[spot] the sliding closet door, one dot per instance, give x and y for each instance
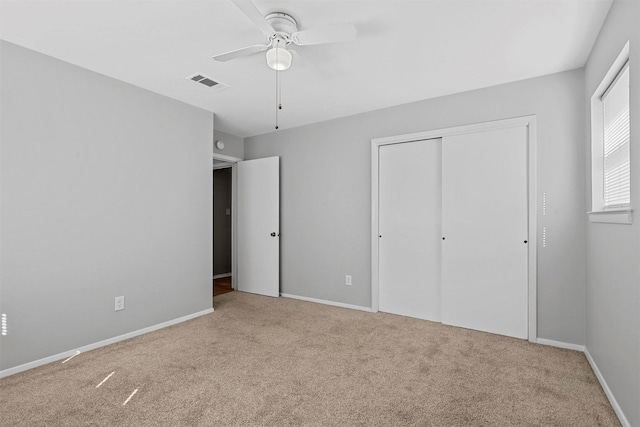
(484, 229)
(409, 225)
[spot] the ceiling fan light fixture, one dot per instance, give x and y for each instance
(279, 58)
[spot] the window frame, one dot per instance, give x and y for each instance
(599, 212)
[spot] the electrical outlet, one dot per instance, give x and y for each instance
(347, 280)
(119, 303)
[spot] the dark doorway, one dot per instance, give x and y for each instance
(222, 231)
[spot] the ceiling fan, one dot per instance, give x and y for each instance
(281, 30)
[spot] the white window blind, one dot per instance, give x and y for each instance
(616, 170)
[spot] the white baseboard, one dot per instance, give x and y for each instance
(560, 344)
(325, 302)
(607, 391)
(221, 276)
(69, 353)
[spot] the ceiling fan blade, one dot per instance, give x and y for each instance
(253, 14)
(331, 34)
(239, 53)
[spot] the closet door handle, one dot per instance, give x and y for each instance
(273, 234)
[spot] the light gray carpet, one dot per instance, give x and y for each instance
(278, 361)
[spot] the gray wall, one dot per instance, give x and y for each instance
(613, 250)
(233, 145)
(222, 221)
(106, 191)
(326, 192)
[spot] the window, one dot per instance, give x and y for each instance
(610, 151)
(615, 106)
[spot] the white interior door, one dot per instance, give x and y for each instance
(484, 222)
(258, 230)
(410, 229)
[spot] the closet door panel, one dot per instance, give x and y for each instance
(484, 223)
(410, 229)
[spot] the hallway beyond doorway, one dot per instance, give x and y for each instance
(222, 286)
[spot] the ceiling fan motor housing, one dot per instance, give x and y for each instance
(284, 24)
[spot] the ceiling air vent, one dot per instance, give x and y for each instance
(207, 81)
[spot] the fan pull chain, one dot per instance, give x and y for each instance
(279, 91)
(278, 88)
(277, 79)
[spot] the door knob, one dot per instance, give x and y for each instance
(273, 234)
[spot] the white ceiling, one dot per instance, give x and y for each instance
(405, 51)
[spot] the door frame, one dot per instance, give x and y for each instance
(530, 123)
(229, 161)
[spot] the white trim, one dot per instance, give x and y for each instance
(234, 226)
(532, 126)
(618, 216)
(607, 390)
(226, 158)
(375, 225)
(531, 123)
(560, 344)
(325, 302)
(225, 165)
(222, 276)
(455, 130)
(66, 354)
